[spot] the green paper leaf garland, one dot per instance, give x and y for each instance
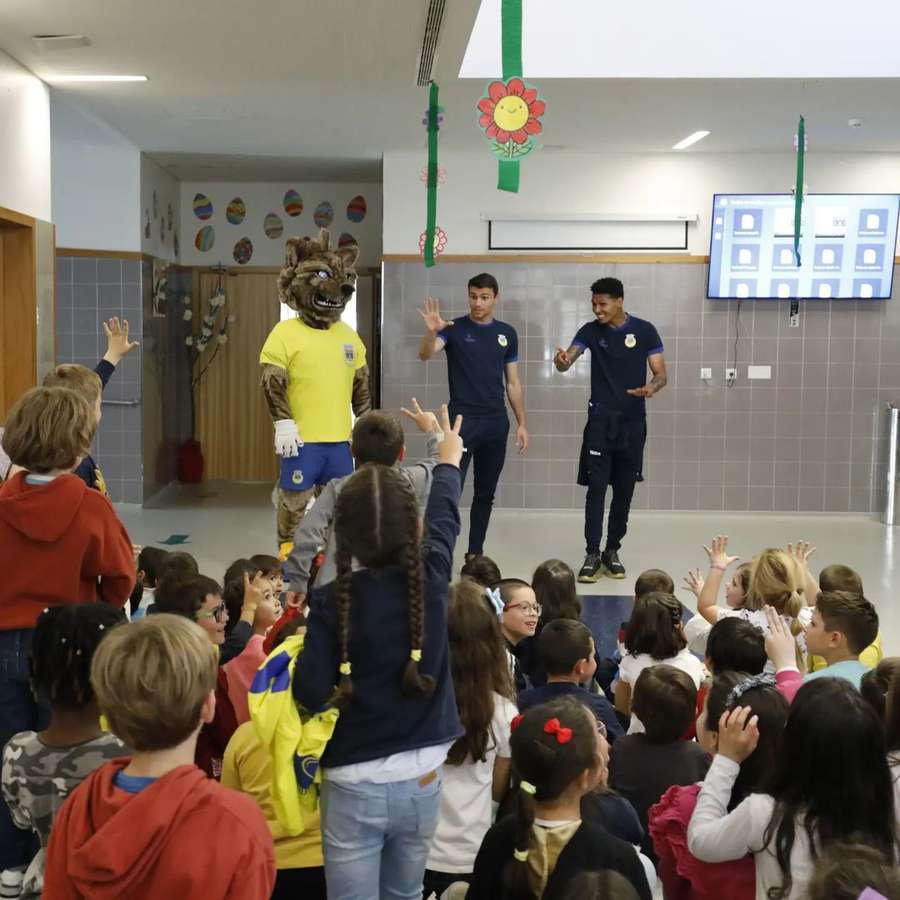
(431, 216)
(798, 190)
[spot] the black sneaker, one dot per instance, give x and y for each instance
(591, 569)
(611, 564)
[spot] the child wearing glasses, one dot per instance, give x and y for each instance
(519, 614)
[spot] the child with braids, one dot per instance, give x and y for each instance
(558, 757)
(41, 769)
(830, 783)
(376, 647)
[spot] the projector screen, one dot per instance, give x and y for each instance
(847, 247)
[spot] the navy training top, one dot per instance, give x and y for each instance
(476, 364)
(619, 362)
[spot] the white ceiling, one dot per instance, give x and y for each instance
(316, 89)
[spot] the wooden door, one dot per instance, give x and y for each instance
(232, 420)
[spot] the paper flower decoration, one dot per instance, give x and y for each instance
(189, 341)
(188, 315)
(510, 114)
(440, 241)
(223, 338)
(441, 175)
(187, 300)
(439, 120)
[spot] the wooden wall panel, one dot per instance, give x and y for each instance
(18, 312)
(232, 420)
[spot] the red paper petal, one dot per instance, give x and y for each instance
(532, 126)
(497, 91)
(530, 95)
(486, 105)
(502, 136)
(519, 136)
(515, 86)
(485, 119)
(538, 108)
(492, 130)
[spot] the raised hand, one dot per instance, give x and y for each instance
(424, 419)
(694, 582)
(253, 594)
(562, 360)
(451, 447)
(431, 314)
(117, 343)
(738, 733)
(801, 551)
(718, 553)
(781, 647)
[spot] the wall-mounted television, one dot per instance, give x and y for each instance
(847, 247)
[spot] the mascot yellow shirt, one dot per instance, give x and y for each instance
(321, 364)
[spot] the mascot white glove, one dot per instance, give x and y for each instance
(287, 438)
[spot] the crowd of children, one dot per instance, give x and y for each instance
(359, 723)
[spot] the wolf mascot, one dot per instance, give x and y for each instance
(313, 372)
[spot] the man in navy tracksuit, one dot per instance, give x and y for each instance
(612, 450)
(482, 354)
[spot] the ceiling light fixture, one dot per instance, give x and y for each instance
(690, 139)
(88, 79)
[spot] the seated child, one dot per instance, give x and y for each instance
(152, 825)
(566, 652)
(41, 769)
(270, 567)
(377, 438)
(881, 689)
(478, 764)
(810, 800)
(683, 875)
(738, 599)
(241, 670)
(482, 570)
(247, 767)
(553, 582)
(150, 562)
(559, 756)
(654, 635)
(642, 767)
(519, 613)
(842, 578)
(854, 872)
(842, 626)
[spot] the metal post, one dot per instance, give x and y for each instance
(890, 510)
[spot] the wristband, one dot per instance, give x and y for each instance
(720, 568)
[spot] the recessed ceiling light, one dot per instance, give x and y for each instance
(690, 139)
(87, 79)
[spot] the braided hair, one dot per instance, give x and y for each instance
(65, 638)
(545, 762)
(376, 521)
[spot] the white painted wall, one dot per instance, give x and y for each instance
(24, 141)
(553, 183)
(160, 201)
(261, 198)
(96, 181)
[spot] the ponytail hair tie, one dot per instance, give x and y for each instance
(520, 855)
(495, 599)
(871, 894)
(104, 724)
(415, 655)
(345, 668)
(748, 684)
(528, 787)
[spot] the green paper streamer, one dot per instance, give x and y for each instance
(511, 48)
(798, 191)
(431, 217)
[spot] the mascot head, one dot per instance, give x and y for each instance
(317, 281)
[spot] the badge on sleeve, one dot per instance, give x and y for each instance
(501, 340)
(630, 341)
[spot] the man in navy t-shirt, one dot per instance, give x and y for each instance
(612, 451)
(482, 355)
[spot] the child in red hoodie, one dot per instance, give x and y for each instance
(153, 825)
(60, 542)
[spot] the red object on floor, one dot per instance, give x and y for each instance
(190, 462)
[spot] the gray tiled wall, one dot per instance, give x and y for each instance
(88, 291)
(808, 440)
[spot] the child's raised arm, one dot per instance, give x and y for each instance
(802, 551)
(707, 591)
(442, 513)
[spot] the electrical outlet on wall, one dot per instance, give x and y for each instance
(795, 320)
(705, 374)
(730, 376)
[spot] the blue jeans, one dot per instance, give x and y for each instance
(376, 838)
(19, 711)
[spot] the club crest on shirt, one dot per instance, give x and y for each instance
(630, 341)
(297, 477)
(501, 340)
(349, 354)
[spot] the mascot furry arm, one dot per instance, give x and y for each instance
(311, 383)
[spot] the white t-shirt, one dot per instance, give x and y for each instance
(466, 800)
(757, 617)
(632, 666)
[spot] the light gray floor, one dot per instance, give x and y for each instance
(228, 520)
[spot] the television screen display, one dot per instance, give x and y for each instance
(847, 247)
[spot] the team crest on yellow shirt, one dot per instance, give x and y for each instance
(349, 354)
(501, 340)
(297, 477)
(630, 341)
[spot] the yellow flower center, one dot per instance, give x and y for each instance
(511, 113)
